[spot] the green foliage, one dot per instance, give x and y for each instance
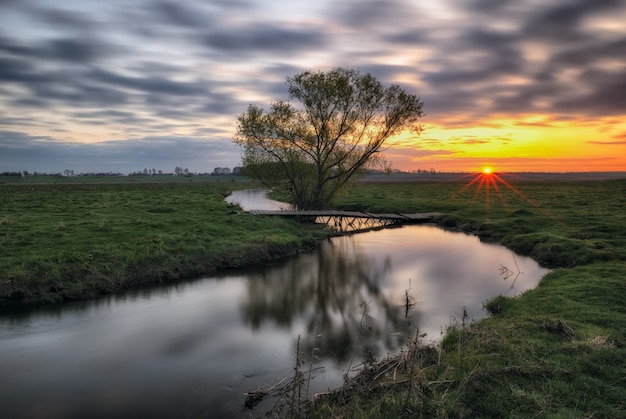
(311, 152)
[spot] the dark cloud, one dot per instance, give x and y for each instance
(264, 38)
(562, 22)
(181, 14)
(469, 60)
(373, 14)
(73, 50)
(149, 84)
(107, 117)
(220, 104)
(495, 56)
(386, 72)
(607, 97)
(16, 70)
(484, 6)
(409, 37)
(594, 52)
(32, 67)
(66, 19)
(492, 56)
(76, 91)
(499, 43)
(12, 47)
(84, 84)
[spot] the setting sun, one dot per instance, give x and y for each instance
(487, 170)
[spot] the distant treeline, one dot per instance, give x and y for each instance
(145, 172)
(24, 173)
(179, 171)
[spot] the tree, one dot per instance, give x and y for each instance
(312, 151)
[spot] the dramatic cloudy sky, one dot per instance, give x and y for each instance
(120, 85)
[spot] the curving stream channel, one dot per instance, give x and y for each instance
(194, 348)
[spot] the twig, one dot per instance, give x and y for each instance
(313, 355)
(412, 370)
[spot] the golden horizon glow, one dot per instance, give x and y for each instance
(487, 170)
(526, 143)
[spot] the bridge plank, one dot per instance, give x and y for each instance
(424, 216)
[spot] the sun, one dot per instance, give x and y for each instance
(492, 184)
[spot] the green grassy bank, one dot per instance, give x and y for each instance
(557, 351)
(70, 241)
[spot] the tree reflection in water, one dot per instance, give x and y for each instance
(331, 288)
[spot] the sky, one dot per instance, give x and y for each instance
(118, 85)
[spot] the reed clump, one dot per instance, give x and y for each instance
(408, 373)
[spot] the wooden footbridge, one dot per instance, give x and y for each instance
(352, 221)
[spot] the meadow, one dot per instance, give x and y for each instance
(79, 238)
(556, 351)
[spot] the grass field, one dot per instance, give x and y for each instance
(70, 240)
(556, 351)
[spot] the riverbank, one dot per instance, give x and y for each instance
(556, 351)
(68, 241)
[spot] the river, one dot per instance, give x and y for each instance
(194, 348)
